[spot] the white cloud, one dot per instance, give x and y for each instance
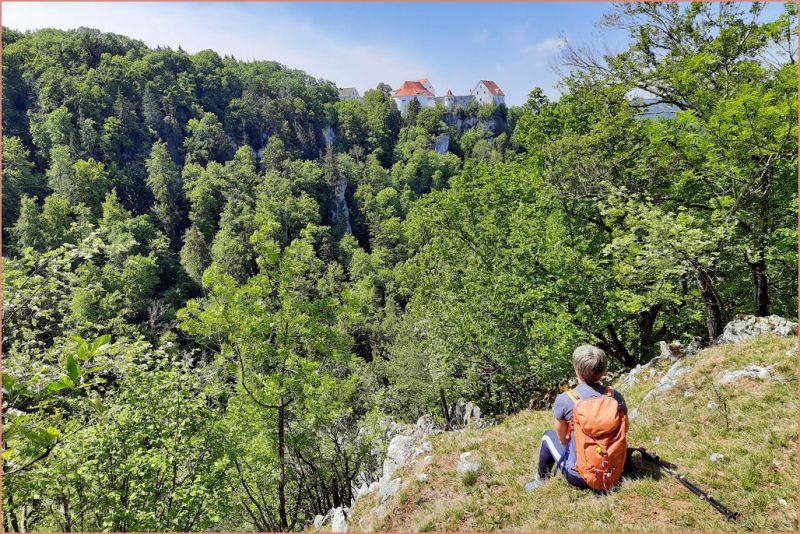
(233, 30)
(546, 47)
(536, 58)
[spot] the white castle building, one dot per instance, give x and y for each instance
(485, 92)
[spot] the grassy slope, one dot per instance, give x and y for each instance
(758, 470)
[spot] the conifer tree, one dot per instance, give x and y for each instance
(92, 183)
(164, 181)
(231, 248)
(195, 256)
(60, 175)
(27, 232)
(412, 110)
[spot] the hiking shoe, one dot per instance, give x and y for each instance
(533, 484)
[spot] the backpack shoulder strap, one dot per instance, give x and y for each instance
(609, 392)
(572, 394)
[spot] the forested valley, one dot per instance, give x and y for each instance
(219, 280)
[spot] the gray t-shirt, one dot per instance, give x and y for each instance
(562, 410)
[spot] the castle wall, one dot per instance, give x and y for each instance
(402, 102)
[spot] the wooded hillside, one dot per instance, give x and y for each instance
(219, 279)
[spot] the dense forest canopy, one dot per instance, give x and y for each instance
(219, 279)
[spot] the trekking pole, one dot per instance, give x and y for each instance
(669, 468)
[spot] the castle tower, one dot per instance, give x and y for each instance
(449, 100)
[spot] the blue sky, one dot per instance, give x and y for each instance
(358, 44)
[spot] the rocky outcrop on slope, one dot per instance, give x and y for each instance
(742, 328)
(407, 444)
(670, 355)
(746, 327)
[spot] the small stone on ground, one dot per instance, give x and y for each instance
(340, 519)
(466, 464)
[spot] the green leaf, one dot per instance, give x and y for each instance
(100, 343)
(82, 351)
(73, 369)
(8, 382)
(63, 383)
(41, 437)
(95, 369)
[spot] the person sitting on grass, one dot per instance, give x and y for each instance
(588, 442)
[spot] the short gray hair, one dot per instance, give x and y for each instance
(590, 362)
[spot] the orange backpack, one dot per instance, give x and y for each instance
(599, 426)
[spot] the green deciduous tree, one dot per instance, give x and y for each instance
(495, 299)
(92, 183)
(207, 141)
(142, 455)
(18, 178)
(281, 330)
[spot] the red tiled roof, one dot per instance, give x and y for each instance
(449, 92)
(412, 89)
(493, 88)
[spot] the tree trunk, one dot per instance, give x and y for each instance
(758, 268)
(646, 322)
(67, 516)
(282, 464)
(445, 411)
(12, 514)
(759, 271)
(711, 302)
(614, 347)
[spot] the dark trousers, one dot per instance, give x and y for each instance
(550, 453)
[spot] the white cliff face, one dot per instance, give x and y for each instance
(341, 212)
(467, 123)
(407, 444)
(751, 371)
(329, 135)
(442, 143)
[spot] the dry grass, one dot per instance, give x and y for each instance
(759, 468)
